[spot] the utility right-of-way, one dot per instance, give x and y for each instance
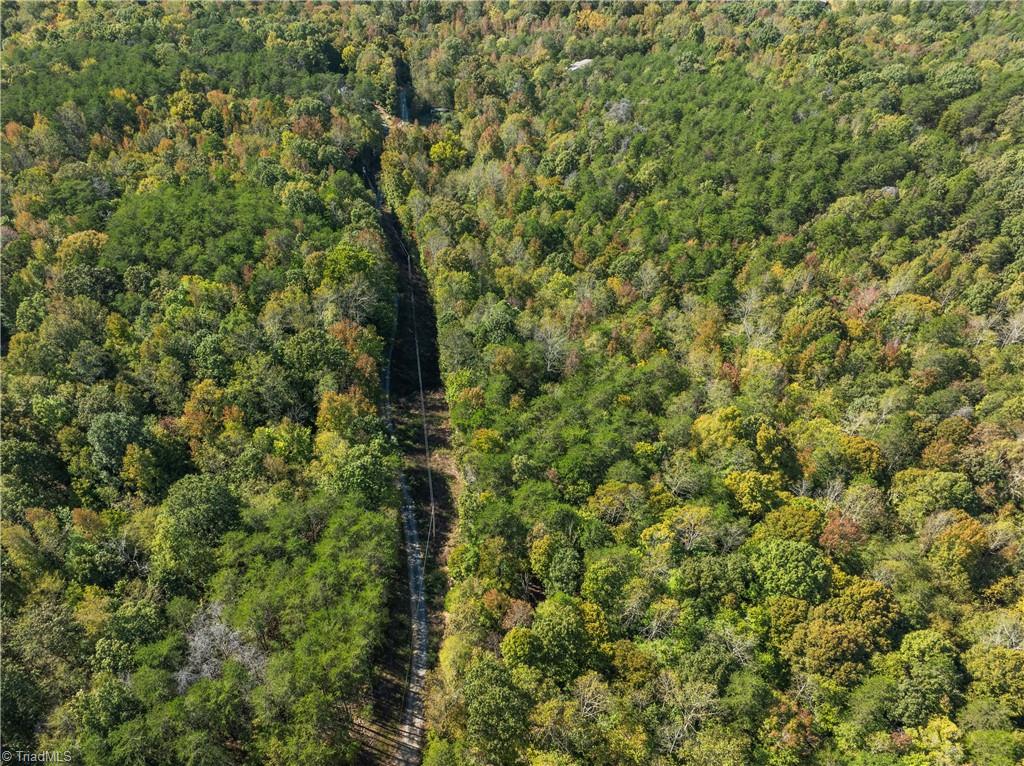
(412, 724)
(417, 416)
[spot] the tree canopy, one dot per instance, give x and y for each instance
(730, 306)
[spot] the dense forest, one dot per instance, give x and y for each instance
(730, 307)
(199, 506)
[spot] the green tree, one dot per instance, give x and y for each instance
(560, 628)
(926, 674)
(789, 568)
(496, 711)
(197, 511)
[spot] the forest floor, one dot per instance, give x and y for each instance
(392, 729)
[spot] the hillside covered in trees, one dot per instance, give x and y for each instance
(730, 306)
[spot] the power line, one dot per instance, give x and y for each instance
(419, 377)
(412, 702)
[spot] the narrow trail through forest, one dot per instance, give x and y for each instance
(417, 415)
